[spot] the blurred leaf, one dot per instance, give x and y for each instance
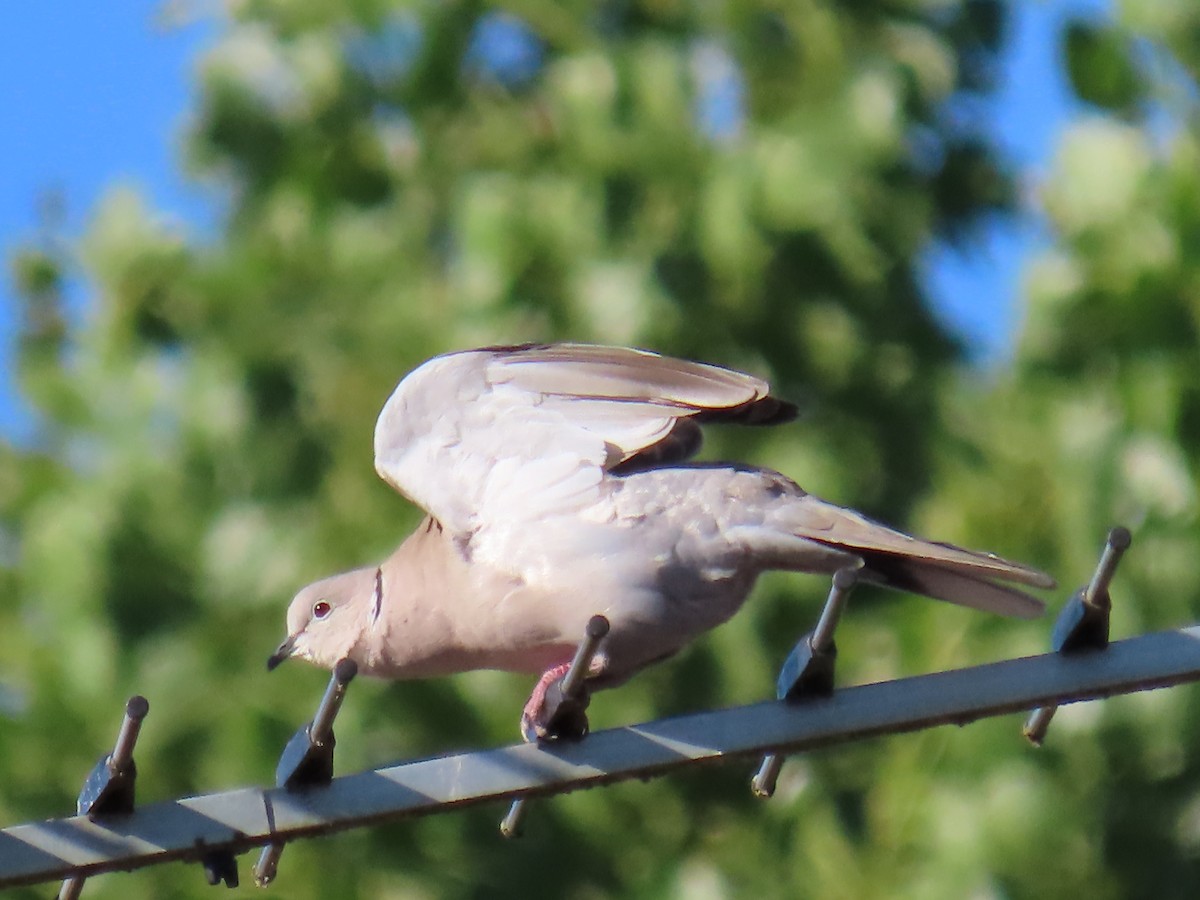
(1101, 67)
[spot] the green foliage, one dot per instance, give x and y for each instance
(393, 191)
(1100, 64)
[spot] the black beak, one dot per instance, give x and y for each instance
(285, 650)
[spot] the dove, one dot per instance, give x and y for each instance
(559, 484)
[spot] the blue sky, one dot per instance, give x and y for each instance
(96, 94)
(978, 292)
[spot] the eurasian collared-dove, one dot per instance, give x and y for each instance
(556, 486)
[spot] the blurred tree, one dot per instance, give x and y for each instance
(1099, 422)
(747, 183)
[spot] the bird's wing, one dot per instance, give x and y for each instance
(520, 432)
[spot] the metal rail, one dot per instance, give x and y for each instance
(239, 820)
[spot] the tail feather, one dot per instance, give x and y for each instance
(898, 560)
(818, 520)
(922, 577)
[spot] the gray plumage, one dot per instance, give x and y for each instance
(557, 487)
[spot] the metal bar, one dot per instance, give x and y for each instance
(1083, 623)
(844, 581)
(136, 710)
(595, 632)
(251, 817)
(808, 670)
(322, 724)
(1096, 593)
(762, 785)
(307, 760)
(572, 687)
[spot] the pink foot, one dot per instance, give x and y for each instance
(531, 728)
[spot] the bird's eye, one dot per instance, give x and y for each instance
(321, 609)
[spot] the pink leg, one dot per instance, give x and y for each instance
(533, 707)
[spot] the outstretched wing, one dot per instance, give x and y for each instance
(521, 432)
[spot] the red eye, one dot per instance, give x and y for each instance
(321, 609)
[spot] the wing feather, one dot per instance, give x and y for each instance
(522, 431)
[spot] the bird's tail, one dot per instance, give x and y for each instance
(896, 560)
(955, 586)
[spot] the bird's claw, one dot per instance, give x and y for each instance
(554, 716)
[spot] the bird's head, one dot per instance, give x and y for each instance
(325, 620)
